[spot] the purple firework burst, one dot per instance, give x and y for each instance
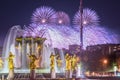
(43, 15)
(32, 31)
(90, 18)
(62, 18)
(98, 35)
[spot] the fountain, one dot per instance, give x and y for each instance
(42, 37)
(9, 45)
(20, 46)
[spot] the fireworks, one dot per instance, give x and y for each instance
(62, 18)
(33, 31)
(64, 36)
(98, 35)
(90, 18)
(43, 15)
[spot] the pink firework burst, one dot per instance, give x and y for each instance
(62, 18)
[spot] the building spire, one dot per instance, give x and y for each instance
(81, 24)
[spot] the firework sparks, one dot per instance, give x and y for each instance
(62, 18)
(32, 31)
(90, 18)
(65, 35)
(43, 15)
(98, 35)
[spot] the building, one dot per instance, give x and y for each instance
(104, 49)
(101, 57)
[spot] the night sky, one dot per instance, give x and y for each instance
(18, 12)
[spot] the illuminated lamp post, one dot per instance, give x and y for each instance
(104, 62)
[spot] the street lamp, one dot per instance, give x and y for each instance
(105, 61)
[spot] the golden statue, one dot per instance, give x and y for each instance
(1, 63)
(59, 62)
(10, 61)
(52, 61)
(38, 61)
(32, 58)
(10, 66)
(74, 62)
(67, 61)
(66, 56)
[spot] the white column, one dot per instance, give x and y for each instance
(53, 74)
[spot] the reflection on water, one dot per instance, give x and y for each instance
(46, 76)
